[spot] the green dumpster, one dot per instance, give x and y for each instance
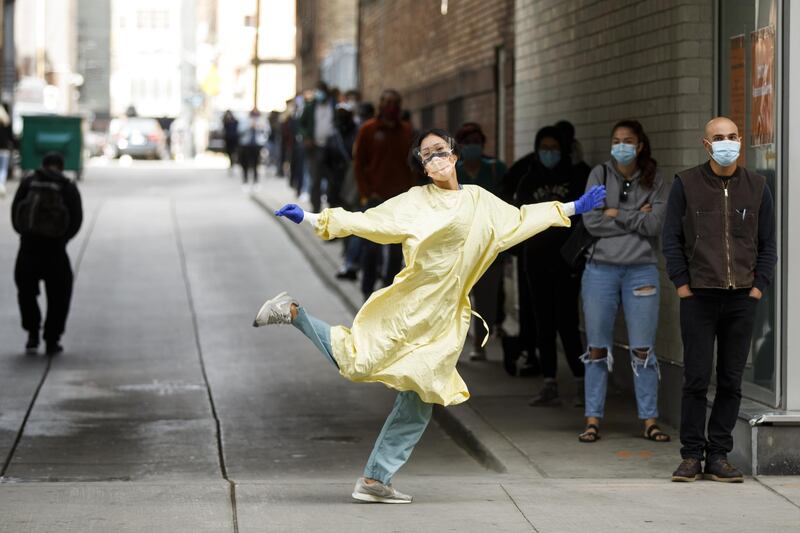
(52, 133)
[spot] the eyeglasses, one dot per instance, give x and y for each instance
(429, 152)
(625, 190)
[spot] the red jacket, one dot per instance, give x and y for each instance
(380, 159)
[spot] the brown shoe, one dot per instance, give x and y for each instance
(722, 470)
(689, 470)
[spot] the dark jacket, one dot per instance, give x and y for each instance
(72, 200)
(719, 231)
(564, 183)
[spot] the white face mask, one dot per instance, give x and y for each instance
(439, 167)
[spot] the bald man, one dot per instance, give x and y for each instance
(719, 243)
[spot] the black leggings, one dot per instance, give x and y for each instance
(555, 292)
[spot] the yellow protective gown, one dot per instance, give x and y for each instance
(410, 334)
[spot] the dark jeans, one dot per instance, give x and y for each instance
(319, 173)
(527, 318)
(52, 267)
(728, 317)
(379, 261)
(555, 292)
(248, 158)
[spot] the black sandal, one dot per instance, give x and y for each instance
(655, 434)
(589, 436)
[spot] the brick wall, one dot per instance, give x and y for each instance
(321, 25)
(596, 62)
(433, 59)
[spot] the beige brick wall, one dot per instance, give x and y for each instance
(596, 62)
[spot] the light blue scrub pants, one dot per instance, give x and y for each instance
(402, 429)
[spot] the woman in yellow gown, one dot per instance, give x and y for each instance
(410, 334)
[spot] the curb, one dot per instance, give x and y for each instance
(462, 424)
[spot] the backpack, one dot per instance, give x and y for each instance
(43, 212)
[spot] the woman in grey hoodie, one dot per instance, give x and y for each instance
(622, 267)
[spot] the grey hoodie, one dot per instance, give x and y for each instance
(632, 237)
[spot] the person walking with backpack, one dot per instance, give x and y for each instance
(622, 267)
(46, 213)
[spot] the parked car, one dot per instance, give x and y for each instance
(137, 137)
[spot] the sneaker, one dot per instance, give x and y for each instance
(689, 470)
(378, 493)
(547, 397)
(347, 273)
(53, 348)
(278, 310)
(32, 346)
(721, 470)
(477, 354)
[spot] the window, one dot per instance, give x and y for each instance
(455, 114)
(427, 117)
(749, 93)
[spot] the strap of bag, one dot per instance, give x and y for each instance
(594, 246)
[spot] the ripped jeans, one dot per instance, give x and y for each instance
(637, 287)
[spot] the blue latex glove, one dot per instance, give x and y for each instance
(291, 211)
(593, 199)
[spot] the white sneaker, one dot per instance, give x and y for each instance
(378, 493)
(278, 310)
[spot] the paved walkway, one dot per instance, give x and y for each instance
(169, 412)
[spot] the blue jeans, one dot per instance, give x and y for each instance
(637, 287)
(402, 429)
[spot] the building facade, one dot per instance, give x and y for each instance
(451, 61)
(326, 43)
(94, 56)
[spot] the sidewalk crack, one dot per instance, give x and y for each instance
(771, 489)
(518, 509)
(195, 326)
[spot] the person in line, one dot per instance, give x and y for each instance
(622, 266)
(316, 126)
(353, 246)
(409, 335)
(339, 159)
(379, 165)
(475, 168)
(47, 213)
(251, 141)
(230, 128)
(6, 147)
(720, 247)
(554, 287)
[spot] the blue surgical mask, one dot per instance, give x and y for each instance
(549, 158)
(725, 152)
(623, 153)
(319, 95)
(471, 152)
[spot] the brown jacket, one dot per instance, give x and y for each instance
(379, 159)
(721, 227)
